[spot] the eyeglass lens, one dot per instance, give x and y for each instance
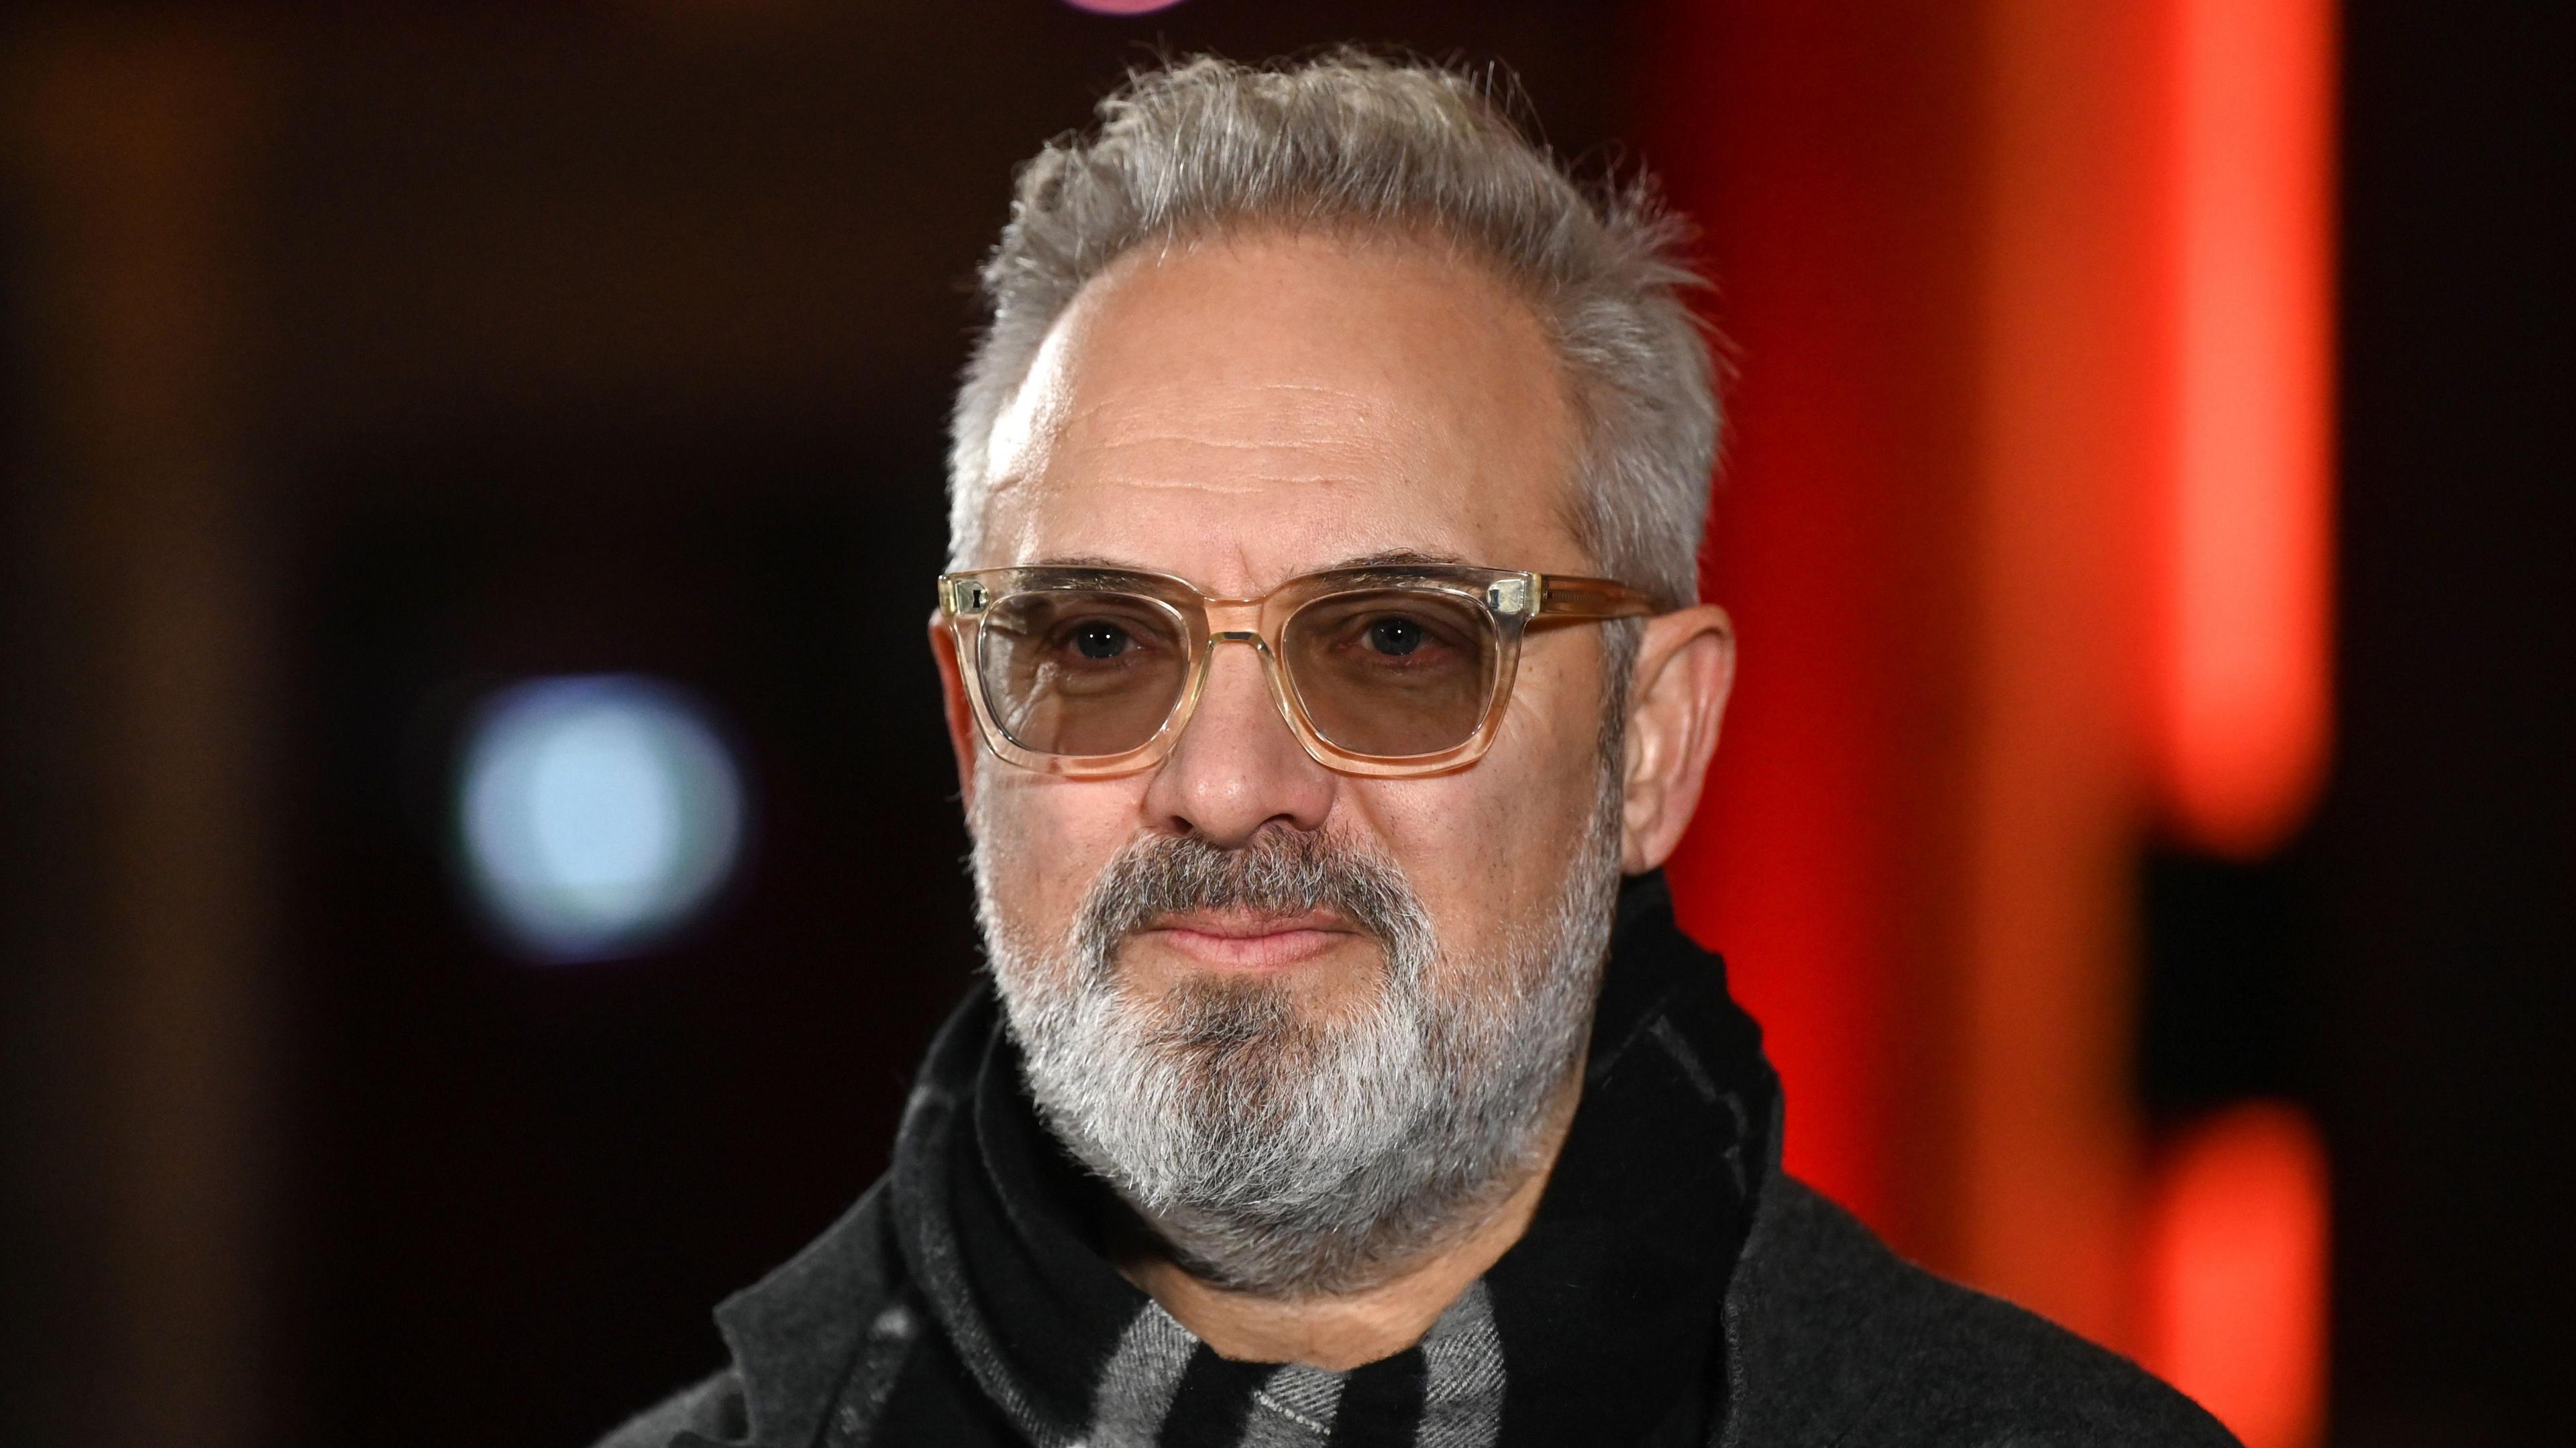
(1391, 672)
(1082, 672)
(1384, 672)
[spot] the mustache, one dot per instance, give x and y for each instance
(1280, 871)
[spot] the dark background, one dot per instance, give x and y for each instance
(2440, 936)
(597, 338)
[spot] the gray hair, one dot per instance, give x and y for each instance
(1350, 142)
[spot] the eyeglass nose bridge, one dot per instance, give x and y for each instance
(1272, 674)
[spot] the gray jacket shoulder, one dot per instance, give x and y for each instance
(1831, 1340)
(1834, 1339)
(711, 1409)
(794, 1338)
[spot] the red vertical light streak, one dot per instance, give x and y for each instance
(1825, 161)
(2028, 511)
(2244, 678)
(2236, 1231)
(2236, 1273)
(2072, 376)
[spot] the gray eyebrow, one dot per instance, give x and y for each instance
(1396, 558)
(1087, 560)
(1388, 558)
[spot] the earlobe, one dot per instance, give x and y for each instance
(963, 740)
(1684, 673)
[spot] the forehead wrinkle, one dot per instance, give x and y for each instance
(1230, 557)
(1290, 386)
(1267, 413)
(1230, 465)
(1381, 558)
(1134, 452)
(1030, 499)
(1232, 487)
(1219, 444)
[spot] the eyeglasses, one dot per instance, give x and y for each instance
(1387, 671)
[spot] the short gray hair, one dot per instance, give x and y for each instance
(1352, 142)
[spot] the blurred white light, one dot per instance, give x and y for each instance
(598, 813)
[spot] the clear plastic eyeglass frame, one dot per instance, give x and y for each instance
(1509, 600)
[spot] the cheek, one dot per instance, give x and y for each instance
(1043, 841)
(1488, 847)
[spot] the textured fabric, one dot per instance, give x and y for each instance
(995, 1227)
(1675, 1288)
(1837, 1340)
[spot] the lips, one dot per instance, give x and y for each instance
(1246, 940)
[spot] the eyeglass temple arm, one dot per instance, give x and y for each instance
(1561, 596)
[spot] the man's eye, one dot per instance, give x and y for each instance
(1394, 635)
(1099, 639)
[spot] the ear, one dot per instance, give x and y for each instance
(1685, 670)
(963, 739)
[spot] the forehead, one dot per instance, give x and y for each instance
(1245, 409)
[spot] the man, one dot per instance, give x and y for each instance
(1324, 663)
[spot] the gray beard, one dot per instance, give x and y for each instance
(1282, 1154)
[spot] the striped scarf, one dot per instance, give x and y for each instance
(1601, 1325)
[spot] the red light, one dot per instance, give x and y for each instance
(2245, 621)
(2236, 1273)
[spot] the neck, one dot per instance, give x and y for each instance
(1338, 1331)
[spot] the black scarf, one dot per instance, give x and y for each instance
(1601, 1325)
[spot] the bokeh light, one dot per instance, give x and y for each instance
(597, 814)
(2236, 1257)
(1122, 7)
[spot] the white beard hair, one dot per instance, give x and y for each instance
(1281, 1155)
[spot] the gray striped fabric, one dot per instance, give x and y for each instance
(1294, 1409)
(1462, 1399)
(1136, 1387)
(1462, 1403)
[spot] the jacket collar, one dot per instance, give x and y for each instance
(1665, 1027)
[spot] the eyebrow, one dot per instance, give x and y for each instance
(1398, 557)
(1086, 560)
(1387, 558)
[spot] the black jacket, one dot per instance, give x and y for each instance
(1815, 1333)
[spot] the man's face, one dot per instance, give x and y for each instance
(1317, 1011)
(1243, 412)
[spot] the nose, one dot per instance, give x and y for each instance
(1237, 767)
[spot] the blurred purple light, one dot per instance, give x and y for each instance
(1122, 7)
